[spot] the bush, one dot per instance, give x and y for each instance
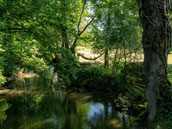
(98, 78)
(164, 116)
(164, 112)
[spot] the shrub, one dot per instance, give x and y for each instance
(98, 78)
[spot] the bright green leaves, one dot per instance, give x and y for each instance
(117, 27)
(2, 78)
(4, 106)
(33, 30)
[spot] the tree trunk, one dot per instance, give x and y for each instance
(106, 110)
(107, 41)
(106, 58)
(64, 35)
(156, 43)
(64, 29)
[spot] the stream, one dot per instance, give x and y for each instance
(33, 103)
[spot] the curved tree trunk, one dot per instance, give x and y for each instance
(156, 42)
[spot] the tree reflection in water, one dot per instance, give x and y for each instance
(4, 106)
(42, 106)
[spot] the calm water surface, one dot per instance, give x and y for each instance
(35, 104)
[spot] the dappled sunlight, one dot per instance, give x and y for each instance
(27, 75)
(90, 54)
(48, 123)
(114, 123)
(170, 59)
(85, 64)
(78, 96)
(10, 92)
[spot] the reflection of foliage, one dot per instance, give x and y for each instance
(4, 106)
(2, 78)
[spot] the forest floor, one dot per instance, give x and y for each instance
(87, 52)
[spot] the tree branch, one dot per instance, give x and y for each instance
(80, 33)
(14, 30)
(83, 8)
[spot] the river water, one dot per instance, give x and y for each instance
(35, 104)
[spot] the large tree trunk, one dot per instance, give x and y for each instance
(156, 43)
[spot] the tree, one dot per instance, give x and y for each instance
(117, 29)
(156, 42)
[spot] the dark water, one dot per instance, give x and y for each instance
(35, 104)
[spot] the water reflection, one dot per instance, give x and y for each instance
(42, 106)
(4, 106)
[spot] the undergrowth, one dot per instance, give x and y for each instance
(99, 78)
(164, 112)
(116, 80)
